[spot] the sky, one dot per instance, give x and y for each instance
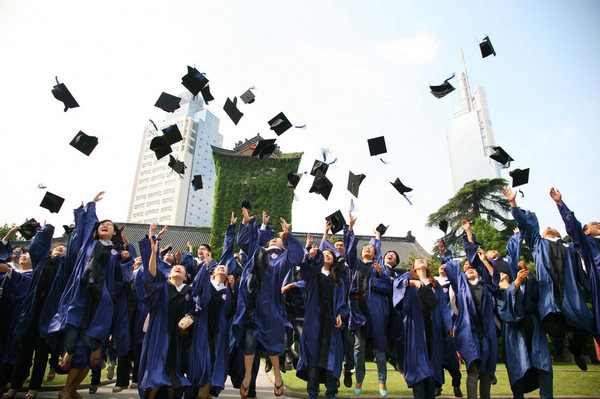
(349, 70)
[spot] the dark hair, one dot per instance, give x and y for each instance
(207, 247)
(117, 239)
(415, 276)
(397, 257)
(336, 268)
(585, 228)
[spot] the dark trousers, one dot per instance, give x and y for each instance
(312, 386)
(557, 327)
(455, 374)
(124, 369)
(545, 381)
(424, 389)
(31, 342)
(137, 351)
(5, 373)
(348, 340)
(96, 374)
(474, 375)
(292, 337)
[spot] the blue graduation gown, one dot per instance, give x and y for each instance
(418, 363)
(573, 308)
(466, 337)
(270, 317)
(14, 291)
(586, 246)
(445, 257)
(521, 363)
(310, 341)
(152, 373)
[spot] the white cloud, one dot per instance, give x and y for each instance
(420, 49)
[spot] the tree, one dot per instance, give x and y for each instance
(6, 228)
(476, 199)
(433, 264)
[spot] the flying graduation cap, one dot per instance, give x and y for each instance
(160, 146)
(248, 96)
(401, 188)
(264, 148)
(29, 228)
(354, 182)
(231, 110)
(177, 166)
(280, 124)
(197, 182)
(293, 179)
(61, 93)
(382, 228)
(501, 156)
(377, 145)
(519, 177)
(172, 134)
(443, 226)
(206, 95)
(443, 89)
(52, 202)
(337, 221)
(246, 203)
(194, 81)
(486, 47)
(84, 143)
(167, 102)
(321, 185)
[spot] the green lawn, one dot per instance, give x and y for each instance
(60, 379)
(568, 380)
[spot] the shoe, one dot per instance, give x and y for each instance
(244, 391)
(268, 367)
(117, 389)
(580, 361)
(9, 394)
(383, 392)
(494, 380)
(51, 375)
(110, 371)
(278, 389)
(437, 391)
(347, 378)
(457, 392)
(30, 395)
(65, 361)
(133, 385)
(398, 368)
(357, 391)
(93, 389)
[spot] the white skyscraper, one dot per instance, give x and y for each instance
(470, 136)
(160, 194)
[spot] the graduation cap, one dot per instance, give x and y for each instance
(354, 182)
(231, 110)
(246, 203)
(519, 177)
(172, 134)
(486, 47)
(321, 185)
(68, 229)
(52, 202)
(61, 93)
(197, 182)
(160, 146)
(264, 148)
(443, 226)
(248, 97)
(443, 89)
(377, 145)
(401, 188)
(84, 143)
(29, 228)
(167, 102)
(382, 228)
(166, 250)
(319, 167)
(500, 156)
(177, 166)
(293, 179)
(206, 94)
(280, 124)
(337, 221)
(194, 81)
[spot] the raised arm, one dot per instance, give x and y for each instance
(350, 244)
(248, 234)
(527, 221)
(152, 261)
(513, 252)
(40, 245)
(227, 258)
(572, 225)
(376, 243)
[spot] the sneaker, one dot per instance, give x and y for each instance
(51, 375)
(133, 385)
(93, 389)
(110, 371)
(117, 389)
(347, 378)
(457, 392)
(580, 362)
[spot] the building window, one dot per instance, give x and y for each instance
(139, 197)
(170, 182)
(142, 188)
(167, 209)
(138, 214)
(154, 194)
(155, 185)
(138, 206)
(151, 211)
(156, 177)
(169, 191)
(146, 164)
(168, 199)
(145, 172)
(159, 169)
(148, 156)
(155, 202)
(144, 180)
(163, 218)
(149, 220)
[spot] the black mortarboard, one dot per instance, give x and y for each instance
(319, 166)
(84, 143)
(29, 228)
(172, 134)
(177, 166)
(68, 229)
(160, 146)
(248, 97)
(279, 124)
(321, 185)
(61, 93)
(377, 145)
(264, 148)
(230, 109)
(166, 250)
(486, 47)
(382, 228)
(52, 202)
(246, 203)
(194, 81)
(443, 226)
(443, 89)
(293, 179)
(167, 102)
(206, 95)
(402, 189)
(499, 155)
(197, 182)
(519, 177)
(337, 221)
(354, 182)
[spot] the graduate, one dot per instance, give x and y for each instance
(322, 344)
(426, 321)
(444, 254)
(369, 297)
(260, 315)
(86, 307)
(561, 304)
(169, 300)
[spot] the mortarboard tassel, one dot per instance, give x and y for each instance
(301, 126)
(41, 186)
(385, 162)
(351, 205)
(405, 196)
(522, 195)
(153, 124)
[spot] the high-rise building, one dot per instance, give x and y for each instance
(160, 194)
(470, 136)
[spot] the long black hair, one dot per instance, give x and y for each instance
(117, 239)
(335, 269)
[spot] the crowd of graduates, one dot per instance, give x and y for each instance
(179, 325)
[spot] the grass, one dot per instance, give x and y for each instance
(568, 380)
(60, 379)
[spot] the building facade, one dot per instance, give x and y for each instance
(159, 194)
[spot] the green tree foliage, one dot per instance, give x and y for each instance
(476, 199)
(263, 181)
(6, 228)
(433, 263)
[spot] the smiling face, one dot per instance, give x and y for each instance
(328, 257)
(550, 232)
(25, 261)
(391, 259)
(106, 230)
(420, 264)
(471, 274)
(178, 274)
(592, 229)
(339, 245)
(368, 252)
(221, 270)
(59, 250)
(276, 242)
(169, 258)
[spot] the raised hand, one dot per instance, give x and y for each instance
(377, 268)
(309, 240)
(265, 218)
(245, 216)
(125, 240)
(510, 195)
(481, 254)
(285, 226)
(352, 221)
(233, 219)
(466, 225)
(178, 256)
(189, 246)
(12, 231)
(162, 231)
(152, 229)
(98, 196)
(313, 251)
(328, 226)
(556, 196)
